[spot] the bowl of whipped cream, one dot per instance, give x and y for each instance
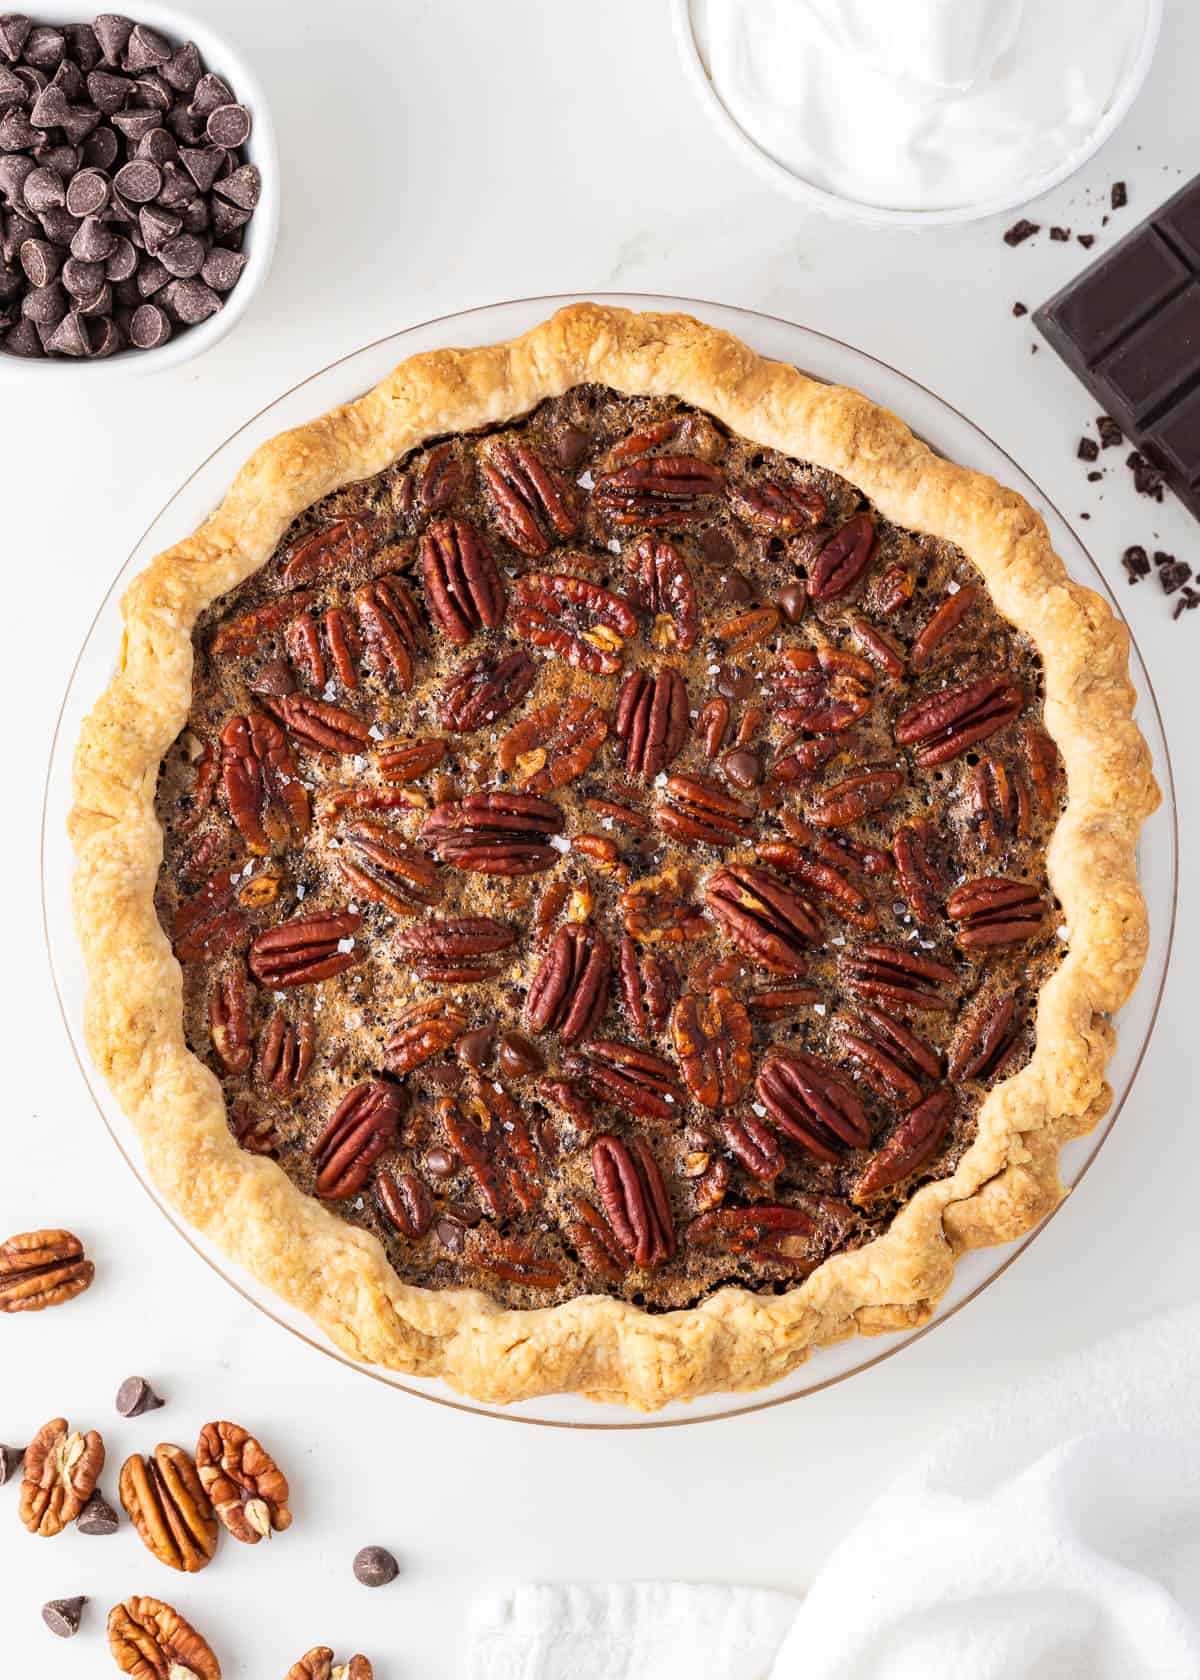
(918, 112)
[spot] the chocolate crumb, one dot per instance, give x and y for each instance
(1147, 480)
(1136, 563)
(1061, 234)
(1087, 240)
(1111, 434)
(1093, 477)
(1021, 231)
(1189, 599)
(1089, 449)
(1174, 576)
(1119, 197)
(1085, 516)
(1161, 558)
(1020, 309)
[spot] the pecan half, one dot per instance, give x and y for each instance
(595, 1242)
(392, 627)
(578, 620)
(406, 1203)
(209, 923)
(267, 800)
(569, 992)
(913, 1143)
(484, 689)
(854, 797)
(941, 624)
(649, 987)
(531, 505)
(711, 1037)
(945, 724)
(877, 646)
(248, 1490)
(844, 559)
(804, 761)
(994, 911)
(380, 866)
(1041, 754)
(657, 911)
(462, 581)
(662, 490)
(229, 1019)
(495, 831)
(247, 632)
(985, 1038)
(41, 1269)
(453, 950)
(892, 1059)
(306, 650)
(636, 1080)
(774, 1001)
(433, 482)
(651, 720)
(343, 543)
(894, 974)
(663, 586)
(777, 509)
(823, 690)
(424, 1030)
(62, 1468)
(285, 1053)
(554, 745)
(193, 806)
(513, 1261)
(999, 805)
(746, 629)
(832, 883)
(488, 1132)
(407, 761)
(169, 1508)
(572, 1101)
(812, 1104)
(319, 726)
(769, 1233)
(318, 1664)
(917, 872)
(768, 922)
(697, 808)
(752, 1143)
(151, 1641)
(360, 1128)
(643, 441)
(632, 1192)
(305, 949)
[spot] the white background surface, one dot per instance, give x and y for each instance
(437, 156)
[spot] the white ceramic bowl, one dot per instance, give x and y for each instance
(689, 36)
(226, 61)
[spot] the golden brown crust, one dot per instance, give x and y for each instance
(608, 1349)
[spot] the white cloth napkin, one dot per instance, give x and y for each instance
(1054, 1537)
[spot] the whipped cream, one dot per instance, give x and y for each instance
(919, 104)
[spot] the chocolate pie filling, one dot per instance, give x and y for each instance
(604, 855)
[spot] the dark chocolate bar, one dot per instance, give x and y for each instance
(1129, 327)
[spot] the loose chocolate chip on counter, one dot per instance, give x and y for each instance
(11, 1460)
(63, 1616)
(1020, 309)
(97, 1517)
(1094, 477)
(1111, 435)
(1020, 231)
(1089, 449)
(228, 126)
(149, 326)
(1119, 196)
(136, 1396)
(793, 601)
(374, 1566)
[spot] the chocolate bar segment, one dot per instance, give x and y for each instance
(1129, 328)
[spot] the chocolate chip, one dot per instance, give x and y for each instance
(44, 46)
(190, 301)
(136, 1396)
(152, 92)
(440, 1163)
(519, 1057)
(97, 1517)
(718, 549)
(570, 446)
(107, 91)
(138, 182)
(183, 256)
(1088, 450)
(133, 123)
(177, 188)
(11, 1460)
(1188, 601)
(151, 277)
(63, 1616)
(122, 259)
(59, 224)
(44, 190)
(14, 32)
(792, 601)
(228, 126)
(156, 226)
(82, 44)
(17, 133)
(107, 339)
(1174, 576)
(374, 1566)
(49, 108)
(451, 1235)
(476, 1048)
(736, 588)
(41, 261)
(203, 164)
(146, 47)
(211, 92)
(1094, 477)
(743, 768)
(1020, 309)
(79, 122)
(227, 218)
(112, 32)
(88, 192)
(1136, 562)
(732, 684)
(70, 336)
(12, 88)
(1020, 231)
(101, 149)
(149, 327)
(1110, 433)
(221, 268)
(1118, 198)
(159, 146)
(45, 304)
(23, 340)
(93, 241)
(242, 188)
(183, 69)
(466, 1213)
(274, 678)
(82, 278)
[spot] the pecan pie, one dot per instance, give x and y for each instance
(607, 825)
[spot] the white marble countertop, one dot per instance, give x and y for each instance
(439, 154)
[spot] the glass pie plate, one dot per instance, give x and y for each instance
(947, 431)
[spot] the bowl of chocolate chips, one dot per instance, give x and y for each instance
(139, 196)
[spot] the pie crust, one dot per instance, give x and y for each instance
(604, 1348)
